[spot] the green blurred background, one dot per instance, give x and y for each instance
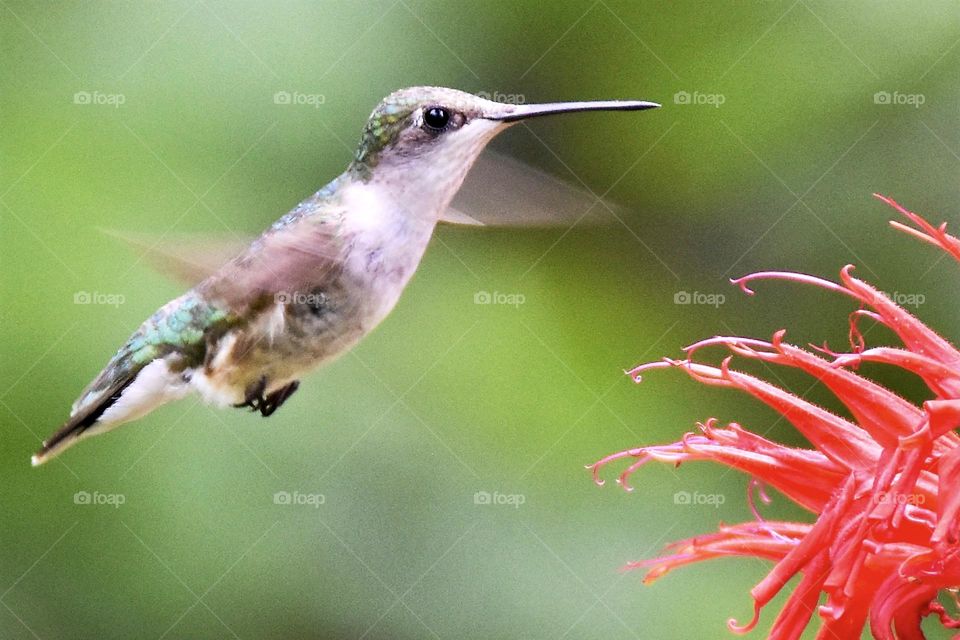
(769, 164)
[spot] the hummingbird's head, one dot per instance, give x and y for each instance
(432, 135)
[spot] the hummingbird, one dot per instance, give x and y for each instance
(318, 280)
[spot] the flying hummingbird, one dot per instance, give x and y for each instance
(318, 280)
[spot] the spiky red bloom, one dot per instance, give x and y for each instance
(884, 487)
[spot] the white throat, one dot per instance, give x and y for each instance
(423, 186)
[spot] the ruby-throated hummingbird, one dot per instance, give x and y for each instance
(318, 280)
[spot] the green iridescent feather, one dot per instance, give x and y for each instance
(181, 326)
(387, 120)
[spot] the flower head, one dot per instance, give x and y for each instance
(884, 486)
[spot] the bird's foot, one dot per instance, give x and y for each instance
(273, 400)
(254, 395)
(266, 404)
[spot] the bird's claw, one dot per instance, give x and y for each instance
(266, 405)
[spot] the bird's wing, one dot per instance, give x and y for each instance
(294, 257)
(500, 191)
(188, 257)
(303, 243)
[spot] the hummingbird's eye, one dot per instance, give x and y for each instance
(436, 118)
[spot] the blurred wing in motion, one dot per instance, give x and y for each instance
(238, 268)
(191, 258)
(187, 257)
(298, 258)
(459, 218)
(501, 191)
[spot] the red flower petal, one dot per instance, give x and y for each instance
(886, 540)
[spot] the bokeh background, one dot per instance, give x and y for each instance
(779, 121)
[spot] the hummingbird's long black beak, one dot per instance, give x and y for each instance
(513, 113)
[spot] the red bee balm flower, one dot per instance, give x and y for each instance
(884, 488)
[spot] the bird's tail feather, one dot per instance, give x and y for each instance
(79, 424)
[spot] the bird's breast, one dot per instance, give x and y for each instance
(387, 238)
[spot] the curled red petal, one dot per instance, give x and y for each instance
(915, 335)
(936, 236)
